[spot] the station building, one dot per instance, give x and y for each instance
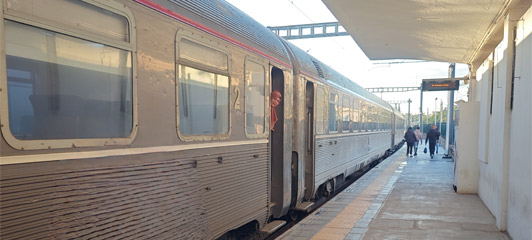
(494, 39)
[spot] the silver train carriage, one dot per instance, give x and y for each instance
(150, 119)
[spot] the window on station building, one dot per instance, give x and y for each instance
(68, 86)
(255, 99)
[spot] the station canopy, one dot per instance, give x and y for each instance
(460, 31)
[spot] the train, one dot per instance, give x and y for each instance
(150, 119)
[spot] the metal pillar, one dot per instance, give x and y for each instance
(441, 112)
(409, 101)
(449, 137)
(421, 109)
(435, 108)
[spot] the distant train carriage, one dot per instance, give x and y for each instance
(150, 119)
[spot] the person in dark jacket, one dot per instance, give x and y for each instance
(432, 138)
(410, 139)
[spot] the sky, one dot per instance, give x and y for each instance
(343, 54)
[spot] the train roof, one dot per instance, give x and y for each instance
(223, 20)
(314, 67)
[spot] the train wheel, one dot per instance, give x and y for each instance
(292, 215)
(325, 189)
(328, 188)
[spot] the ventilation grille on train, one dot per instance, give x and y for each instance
(318, 68)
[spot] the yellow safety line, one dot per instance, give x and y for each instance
(339, 227)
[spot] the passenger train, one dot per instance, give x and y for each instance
(150, 119)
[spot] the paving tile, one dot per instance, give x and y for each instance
(414, 201)
(358, 230)
(490, 227)
(391, 223)
(353, 236)
(423, 205)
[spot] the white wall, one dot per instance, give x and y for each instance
(504, 145)
(491, 129)
(520, 167)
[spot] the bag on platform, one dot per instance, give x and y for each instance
(425, 150)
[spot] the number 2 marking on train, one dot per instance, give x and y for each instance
(237, 99)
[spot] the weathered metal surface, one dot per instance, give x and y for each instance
(235, 187)
(193, 196)
(347, 154)
(141, 199)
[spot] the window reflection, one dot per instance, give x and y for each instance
(203, 102)
(61, 87)
(255, 99)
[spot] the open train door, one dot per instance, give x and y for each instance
(281, 146)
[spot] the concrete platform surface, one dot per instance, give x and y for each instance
(402, 198)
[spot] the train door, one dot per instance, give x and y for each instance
(280, 150)
(309, 138)
(392, 129)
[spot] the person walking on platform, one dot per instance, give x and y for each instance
(437, 139)
(432, 138)
(419, 139)
(410, 138)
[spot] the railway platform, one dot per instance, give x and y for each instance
(401, 198)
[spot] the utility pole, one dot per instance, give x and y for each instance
(435, 106)
(409, 101)
(450, 110)
(428, 123)
(421, 109)
(441, 112)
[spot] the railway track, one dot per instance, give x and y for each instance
(251, 231)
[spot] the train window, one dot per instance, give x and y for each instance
(78, 15)
(64, 87)
(385, 120)
(190, 51)
(346, 110)
(380, 120)
(203, 102)
(356, 115)
(203, 90)
(334, 112)
(389, 122)
(371, 118)
(321, 113)
(362, 127)
(70, 74)
(255, 99)
(375, 118)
